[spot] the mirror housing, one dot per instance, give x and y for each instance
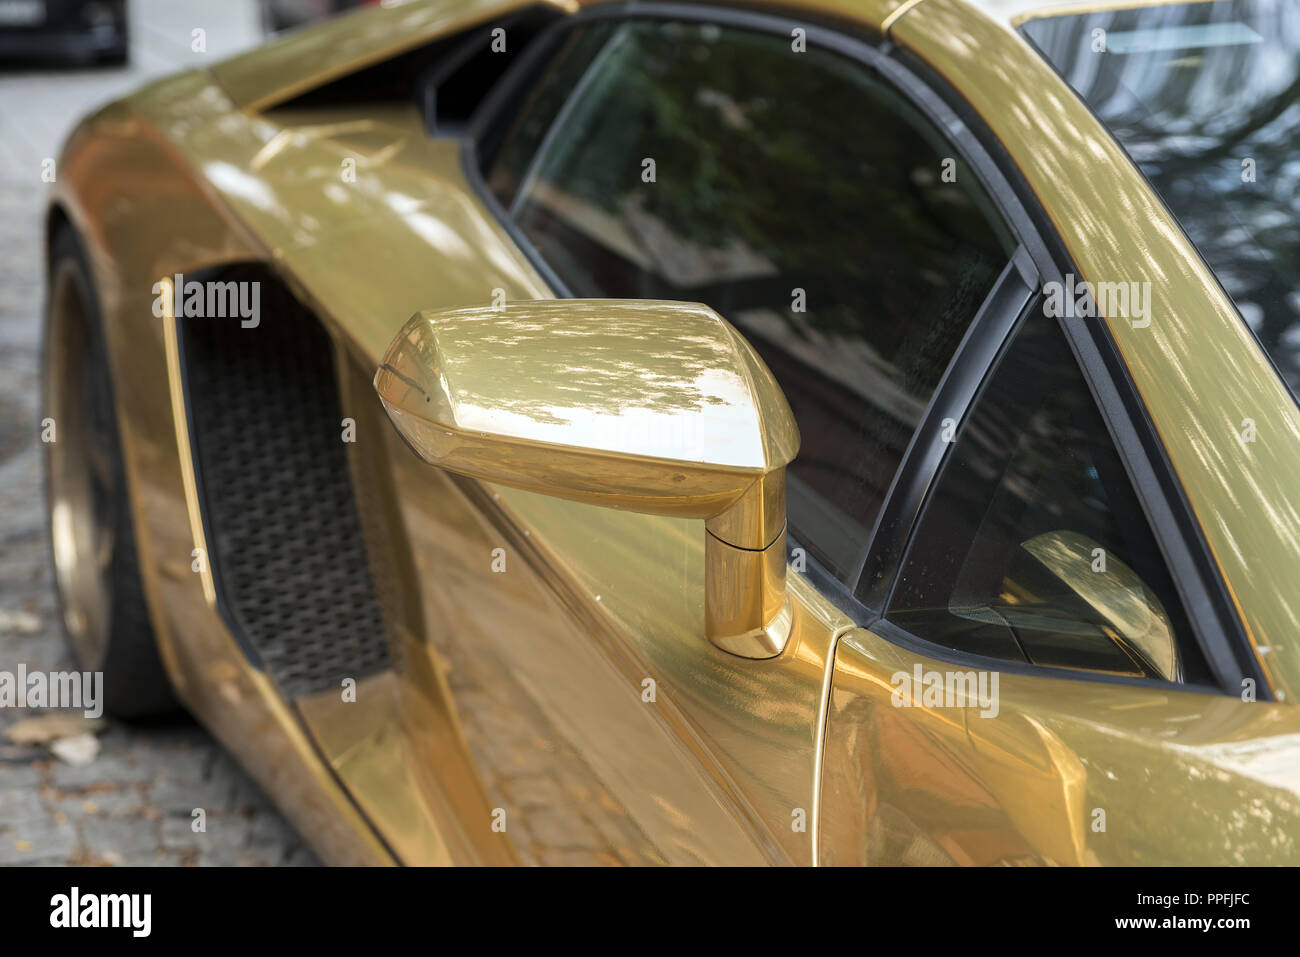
(654, 407)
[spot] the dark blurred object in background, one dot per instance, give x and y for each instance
(64, 30)
(285, 14)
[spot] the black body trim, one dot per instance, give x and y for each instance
(283, 532)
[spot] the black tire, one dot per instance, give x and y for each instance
(135, 683)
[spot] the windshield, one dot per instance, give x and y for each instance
(1204, 97)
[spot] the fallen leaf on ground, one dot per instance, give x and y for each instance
(51, 727)
(77, 750)
(19, 621)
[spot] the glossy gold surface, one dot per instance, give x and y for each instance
(655, 407)
(745, 609)
(551, 698)
(648, 406)
(302, 59)
(751, 729)
(1061, 772)
(176, 390)
(368, 747)
(547, 722)
(546, 663)
(428, 797)
(119, 179)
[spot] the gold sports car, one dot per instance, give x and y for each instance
(818, 432)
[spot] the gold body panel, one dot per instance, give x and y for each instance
(570, 696)
(1060, 773)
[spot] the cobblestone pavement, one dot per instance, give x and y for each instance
(132, 804)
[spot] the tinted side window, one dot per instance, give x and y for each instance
(550, 81)
(1033, 546)
(804, 201)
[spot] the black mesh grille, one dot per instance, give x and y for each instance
(284, 538)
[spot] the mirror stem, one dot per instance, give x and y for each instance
(746, 610)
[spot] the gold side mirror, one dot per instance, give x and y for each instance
(657, 407)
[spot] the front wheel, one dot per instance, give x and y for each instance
(95, 565)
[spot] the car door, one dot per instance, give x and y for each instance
(1035, 691)
(713, 157)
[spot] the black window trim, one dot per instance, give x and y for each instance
(1217, 627)
(1042, 258)
(900, 635)
(953, 399)
(983, 340)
